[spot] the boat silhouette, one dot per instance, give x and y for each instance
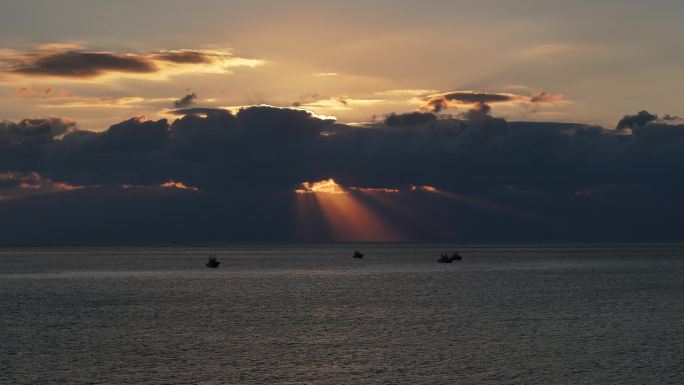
(212, 262)
(446, 259)
(357, 254)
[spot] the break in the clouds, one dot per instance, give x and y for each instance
(75, 62)
(215, 175)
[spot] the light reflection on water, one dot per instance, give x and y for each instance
(312, 314)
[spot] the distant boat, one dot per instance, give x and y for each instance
(446, 259)
(357, 254)
(212, 262)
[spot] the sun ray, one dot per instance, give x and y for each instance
(474, 201)
(347, 217)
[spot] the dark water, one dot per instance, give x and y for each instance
(505, 315)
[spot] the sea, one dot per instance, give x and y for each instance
(311, 314)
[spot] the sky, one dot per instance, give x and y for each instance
(601, 59)
(356, 120)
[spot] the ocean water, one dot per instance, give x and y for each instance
(574, 314)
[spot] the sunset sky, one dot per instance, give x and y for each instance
(531, 119)
(351, 59)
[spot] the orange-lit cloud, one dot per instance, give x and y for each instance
(36, 90)
(178, 185)
(170, 184)
(328, 186)
(379, 190)
(423, 188)
(18, 185)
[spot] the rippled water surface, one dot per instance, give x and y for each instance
(585, 314)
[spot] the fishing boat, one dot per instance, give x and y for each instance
(357, 254)
(212, 262)
(446, 259)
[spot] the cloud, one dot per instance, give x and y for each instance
(470, 97)
(200, 111)
(36, 90)
(81, 64)
(231, 176)
(437, 103)
(304, 99)
(545, 97)
(644, 118)
(479, 111)
(135, 135)
(405, 92)
(19, 185)
(409, 119)
(668, 117)
(338, 103)
(170, 184)
(73, 62)
(90, 102)
(186, 101)
(186, 56)
(34, 130)
(328, 186)
(635, 121)
(442, 101)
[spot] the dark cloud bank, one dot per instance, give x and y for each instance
(517, 181)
